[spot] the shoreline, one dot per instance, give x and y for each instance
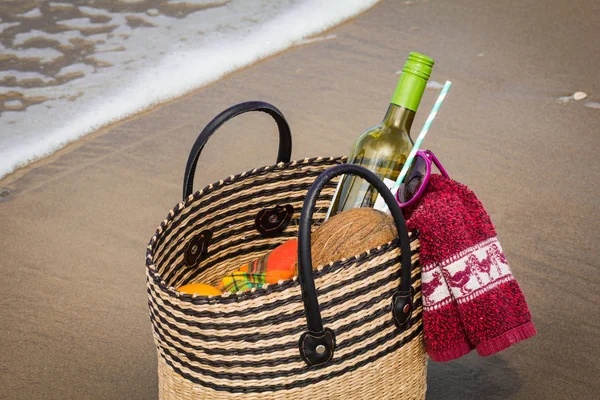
(81, 141)
(71, 145)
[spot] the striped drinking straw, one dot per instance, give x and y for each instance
(420, 138)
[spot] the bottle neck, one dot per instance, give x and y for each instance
(409, 91)
(400, 118)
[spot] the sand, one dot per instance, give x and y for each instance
(74, 228)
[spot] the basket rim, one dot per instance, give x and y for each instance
(228, 297)
(265, 289)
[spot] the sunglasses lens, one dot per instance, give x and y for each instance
(413, 180)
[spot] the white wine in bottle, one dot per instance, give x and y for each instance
(384, 148)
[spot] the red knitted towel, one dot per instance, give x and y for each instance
(470, 297)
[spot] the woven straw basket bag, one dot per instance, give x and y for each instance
(351, 329)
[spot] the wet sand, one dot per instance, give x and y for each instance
(49, 44)
(74, 230)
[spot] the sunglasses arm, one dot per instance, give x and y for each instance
(438, 164)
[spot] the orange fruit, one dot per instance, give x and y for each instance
(201, 289)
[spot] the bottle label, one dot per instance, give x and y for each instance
(337, 189)
(380, 203)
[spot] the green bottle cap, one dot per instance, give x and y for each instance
(413, 79)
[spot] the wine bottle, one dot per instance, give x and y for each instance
(384, 148)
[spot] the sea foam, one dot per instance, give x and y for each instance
(135, 81)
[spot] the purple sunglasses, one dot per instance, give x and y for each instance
(418, 176)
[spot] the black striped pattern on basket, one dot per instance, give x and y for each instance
(248, 342)
(215, 350)
(228, 209)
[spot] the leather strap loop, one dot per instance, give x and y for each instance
(285, 137)
(401, 306)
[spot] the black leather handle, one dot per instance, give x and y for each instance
(285, 137)
(318, 343)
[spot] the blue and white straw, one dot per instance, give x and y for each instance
(421, 136)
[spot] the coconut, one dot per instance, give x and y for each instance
(350, 233)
